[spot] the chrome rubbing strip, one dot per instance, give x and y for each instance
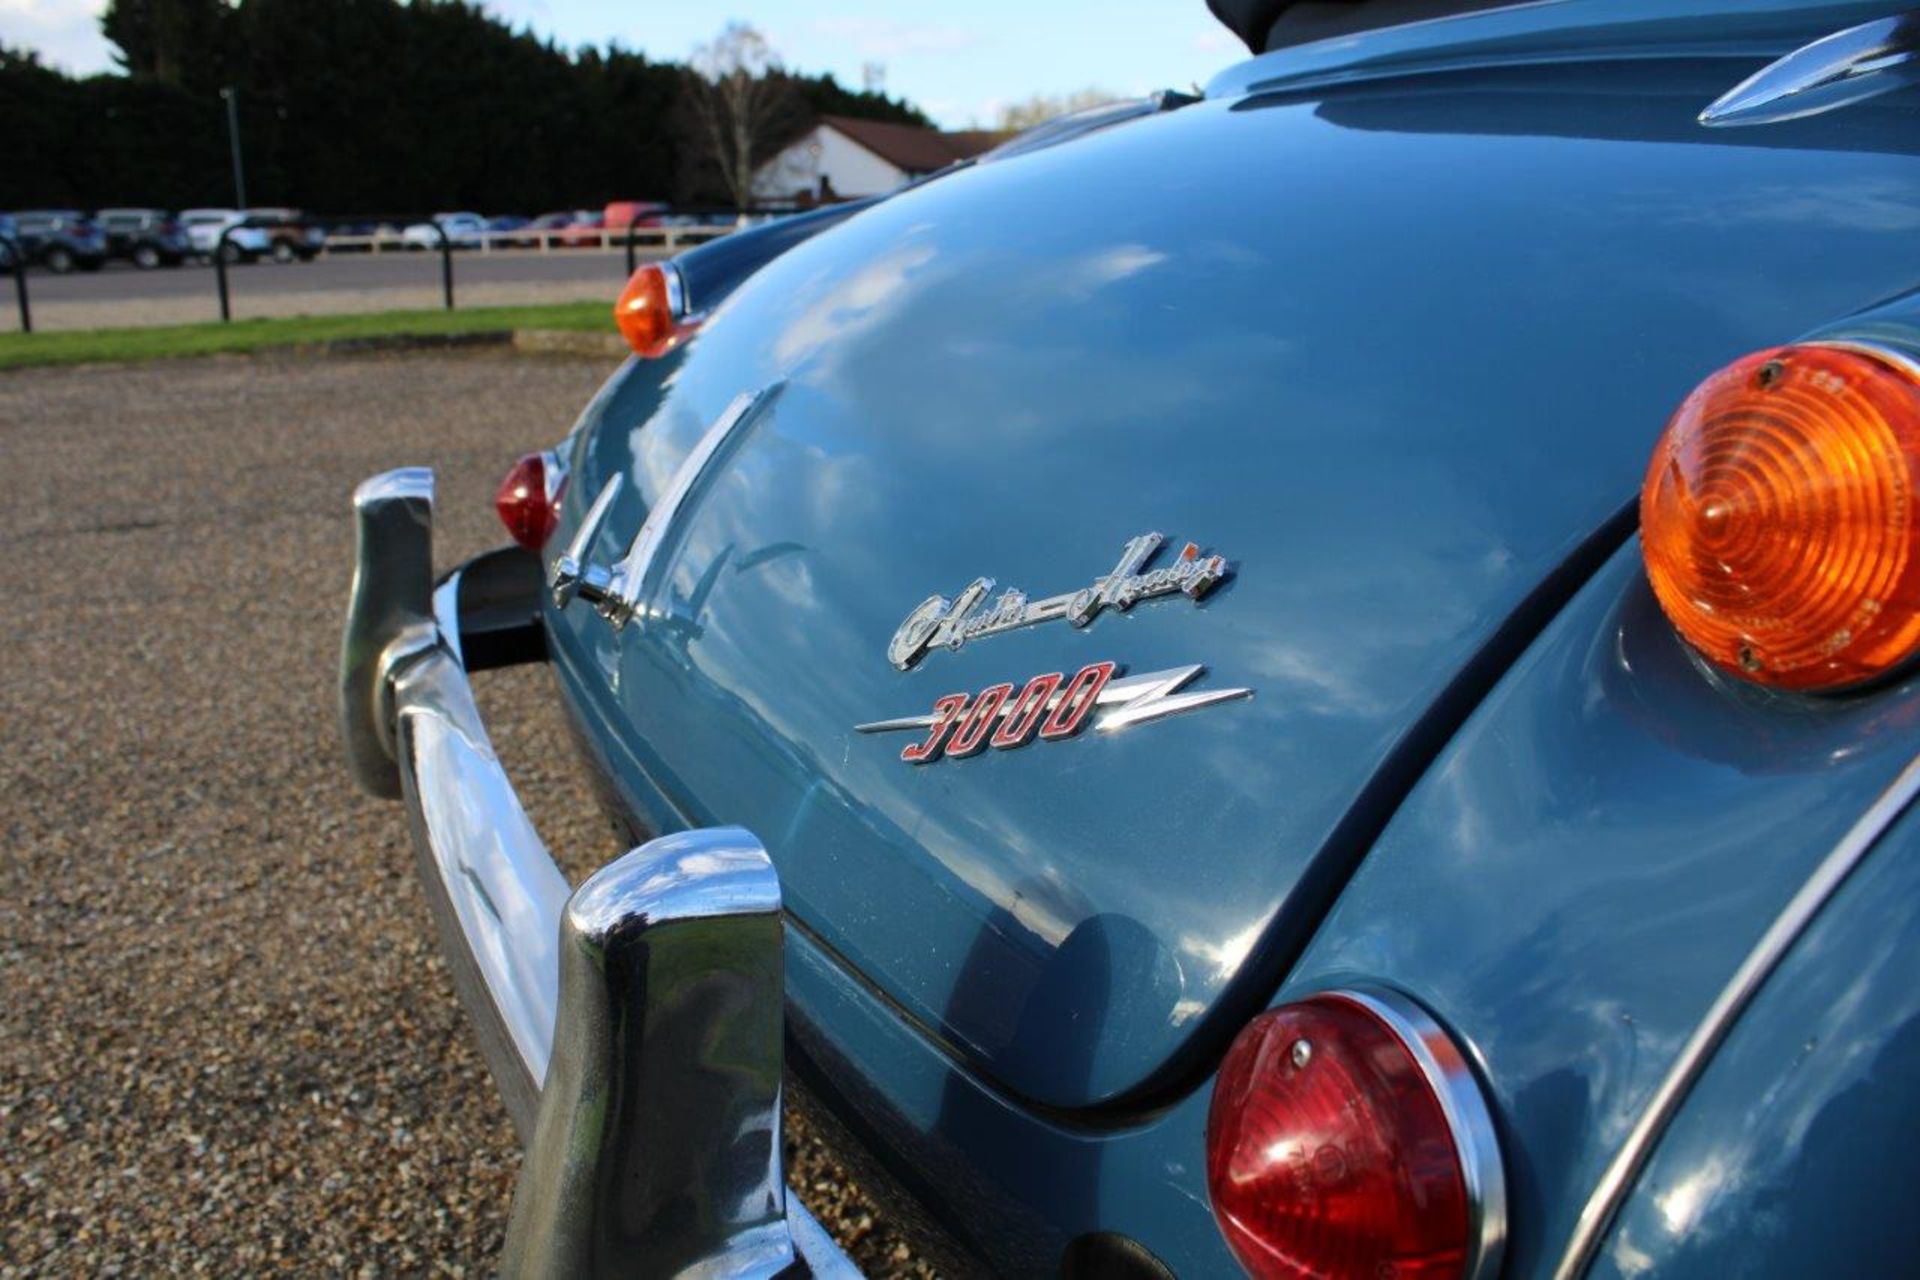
(630, 575)
(1465, 1108)
(1611, 1191)
(573, 575)
(618, 594)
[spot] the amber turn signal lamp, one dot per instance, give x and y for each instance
(1347, 1140)
(649, 311)
(528, 499)
(1778, 518)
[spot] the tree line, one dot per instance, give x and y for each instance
(372, 106)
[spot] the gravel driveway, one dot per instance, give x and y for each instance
(227, 1045)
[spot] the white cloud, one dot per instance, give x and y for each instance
(1217, 42)
(65, 33)
(520, 13)
(883, 38)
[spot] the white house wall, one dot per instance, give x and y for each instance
(853, 170)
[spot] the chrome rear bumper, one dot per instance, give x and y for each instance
(634, 1026)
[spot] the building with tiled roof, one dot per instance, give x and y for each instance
(843, 157)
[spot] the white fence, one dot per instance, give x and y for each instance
(664, 239)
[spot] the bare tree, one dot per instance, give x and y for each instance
(1042, 107)
(742, 102)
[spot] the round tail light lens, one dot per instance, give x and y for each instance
(1778, 517)
(528, 500)
(1347, 1140)
(651, 311)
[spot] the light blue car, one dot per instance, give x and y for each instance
(1312, 678)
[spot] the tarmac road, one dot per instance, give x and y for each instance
(228, 1046)
(118, 294)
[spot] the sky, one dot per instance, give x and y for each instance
(959, 63)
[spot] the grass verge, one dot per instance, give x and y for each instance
(86, 346)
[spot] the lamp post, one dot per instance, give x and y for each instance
(232, 97)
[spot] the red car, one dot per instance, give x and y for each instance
(622, 214)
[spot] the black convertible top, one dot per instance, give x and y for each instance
(1273, 24)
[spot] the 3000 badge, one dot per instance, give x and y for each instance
(1049, 707)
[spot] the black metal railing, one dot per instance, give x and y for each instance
(17, 259)
(648, 226)
(221, 255)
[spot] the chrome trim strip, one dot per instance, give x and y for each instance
(1465, 1108)
(1900, 360)
(573, 574)
(1611, 1191)
(630, 575)
(1835, 71)
(676, 285)
(617, 594)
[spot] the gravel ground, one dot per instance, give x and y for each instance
(227, 1045)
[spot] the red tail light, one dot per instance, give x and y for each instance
(652, 312)
(528, 500)
(1347, 1140)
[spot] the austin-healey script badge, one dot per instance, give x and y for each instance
(938, 622)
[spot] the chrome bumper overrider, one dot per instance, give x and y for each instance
(634, 1025)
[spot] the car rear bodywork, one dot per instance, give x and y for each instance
(1389, 328)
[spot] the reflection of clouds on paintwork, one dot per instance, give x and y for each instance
(859, 302)
(1842, 203)
(1081, 276)
(879, 291)
(1631, 1261)
(1221, 958)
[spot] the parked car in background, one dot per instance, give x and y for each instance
(206, 226)
(622, 214)
(555, 221)
(501, 226)
(9, 234)
(289, 239)
(544, 231)
(463, 231)
(584, 230)
(61, 240)
(147, 238)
